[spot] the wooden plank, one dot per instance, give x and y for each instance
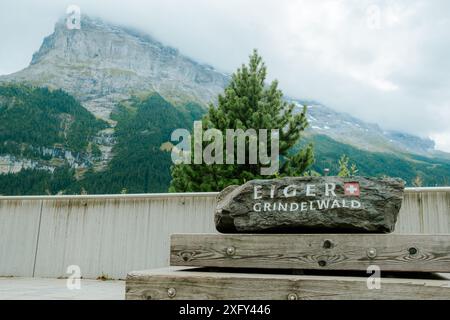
(167, 284)
(393, 252)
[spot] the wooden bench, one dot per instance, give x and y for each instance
(307, 266)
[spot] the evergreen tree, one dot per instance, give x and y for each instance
(353, 170)
(343, 166)
(344, 170)
(248, 103)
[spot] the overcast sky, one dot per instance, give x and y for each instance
(386, 62)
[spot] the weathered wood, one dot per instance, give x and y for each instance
(393, 252)
(174, 283)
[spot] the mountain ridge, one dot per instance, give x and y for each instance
(348, 129)
(102, 64)
(108, 68)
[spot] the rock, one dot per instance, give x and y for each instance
(226, 192)
(311, 205)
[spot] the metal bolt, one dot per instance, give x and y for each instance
(327, 244)
(292, 296)
(231, 251)
(172, 292)
(322, 263)
(412, 251)
(186, 256)
(372, 253)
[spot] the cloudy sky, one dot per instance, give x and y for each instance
(386, 62)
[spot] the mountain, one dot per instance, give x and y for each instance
(94, 110)
(347, 129)
(45, 129)
(102, 64)
(50, 142)
(408, 166)
(142, 158)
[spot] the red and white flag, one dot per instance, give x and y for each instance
(352, 189)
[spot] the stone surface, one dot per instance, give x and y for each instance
(56, 289)
(318, 205)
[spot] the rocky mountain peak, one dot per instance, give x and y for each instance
(102, 64)
(79, 45)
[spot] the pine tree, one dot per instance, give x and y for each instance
(353, 170)
(344, 170)
(248, 103)
(343, 166)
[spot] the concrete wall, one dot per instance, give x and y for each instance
(425, 210)
(112, 235)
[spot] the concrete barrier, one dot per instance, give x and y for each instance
(425, 210)
(113, 234)
(19, 229)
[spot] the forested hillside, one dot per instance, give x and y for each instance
(140, 163)
(432, 171)
(34, 118)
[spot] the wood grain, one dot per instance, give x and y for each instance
(417, 253)
(194, 285)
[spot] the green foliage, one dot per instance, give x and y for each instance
(311, 173)
(344, 170)
(343, 167)
(353, 170)
(139, 165)
(248, 103)
(32, 118)
(433, 171)
(37, 182)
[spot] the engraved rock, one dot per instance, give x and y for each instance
(311, 205)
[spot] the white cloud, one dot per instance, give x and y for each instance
(442, 140)
(382, 61)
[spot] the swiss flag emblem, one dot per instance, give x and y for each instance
(352, 189)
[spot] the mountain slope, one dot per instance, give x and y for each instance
(143, 90)
(44, 129)
(102, 64)
(141, 164)
(141, 161)
(347, 129)
(432, 171)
